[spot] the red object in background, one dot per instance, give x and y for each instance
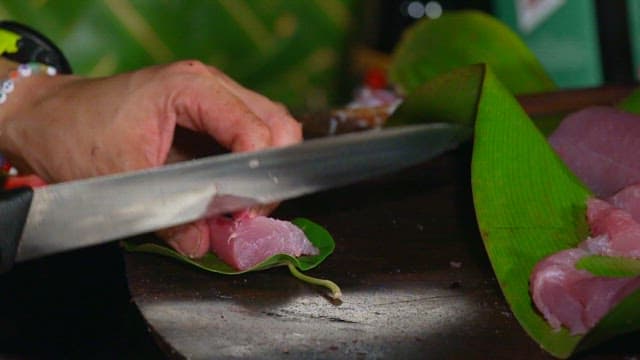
(14, 182)
(375, 78)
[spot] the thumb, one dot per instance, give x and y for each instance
(191, 240)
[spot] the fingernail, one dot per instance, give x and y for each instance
(187, 241)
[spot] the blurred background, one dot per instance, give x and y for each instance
(311, 54)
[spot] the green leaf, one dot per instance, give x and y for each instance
(528, 204)
(433, 47)
(316, 234)
(287, 50)
(610, 266)
(429, 103)
(631, 103)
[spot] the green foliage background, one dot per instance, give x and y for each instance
(289, 50)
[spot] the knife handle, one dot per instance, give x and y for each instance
(14, 208)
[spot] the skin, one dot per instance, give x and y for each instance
(69, 127)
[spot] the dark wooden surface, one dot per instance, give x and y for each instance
(416, 280)
(72, 306)
(564, 101)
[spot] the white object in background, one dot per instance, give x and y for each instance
(531, 13)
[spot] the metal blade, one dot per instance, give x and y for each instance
(82, 213)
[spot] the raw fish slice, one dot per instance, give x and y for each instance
(572, 297)
(596, 244)
(576, 298)
(596, 209)
(550, 286)
(600, 294)
(628, 199)
(621, 232)
(248, 240)
(598, 144)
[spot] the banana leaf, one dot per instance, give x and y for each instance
(631, 103)
(528, 204)
(460, 38)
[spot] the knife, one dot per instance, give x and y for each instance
(66, 216)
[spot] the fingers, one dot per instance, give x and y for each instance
(285, 129)
(202, 103)
(191, 240)
(239, 119)
(226, 118)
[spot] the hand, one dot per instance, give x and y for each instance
(69, 127)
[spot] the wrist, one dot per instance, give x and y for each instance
(20, 90)
(22, 83)
(22, 104)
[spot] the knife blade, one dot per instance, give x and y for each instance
(66, 216)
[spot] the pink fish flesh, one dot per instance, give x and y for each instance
(617, 231)
(628, 199)
(576, 298)
(598, 145)
(595, 144)
(572, 297)
(247, 240)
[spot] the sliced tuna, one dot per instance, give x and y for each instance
(551, 284)
(628, 199)
(248, 240)
(599, 145)
(614, 232)
(575, 298)
(595, 144)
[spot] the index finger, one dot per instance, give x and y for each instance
(285, 129)
(203, 103)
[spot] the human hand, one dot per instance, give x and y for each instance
(69, 127)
